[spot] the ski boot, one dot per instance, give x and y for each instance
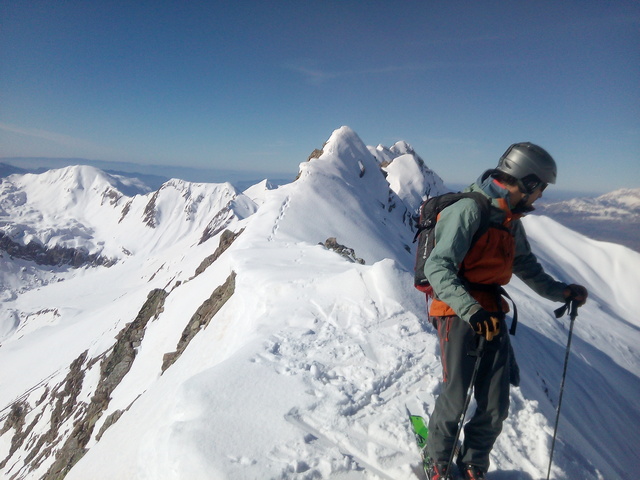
(437, 471)
(471, 472)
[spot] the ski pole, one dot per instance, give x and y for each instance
(573, 313)
(467, 401)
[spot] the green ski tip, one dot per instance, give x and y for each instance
(420, 430)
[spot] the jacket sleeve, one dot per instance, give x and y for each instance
(454, 232)
(529, 270)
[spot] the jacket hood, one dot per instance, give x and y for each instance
(492, 188)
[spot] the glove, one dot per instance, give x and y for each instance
(485, 324)
(577, 293)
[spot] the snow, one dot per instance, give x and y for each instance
(305, 372)
(622, 205)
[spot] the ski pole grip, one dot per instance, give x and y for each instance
(562, 310)
(573, 309)
(571, 306)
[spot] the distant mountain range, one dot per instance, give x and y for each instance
(152, 175)
(613, 217)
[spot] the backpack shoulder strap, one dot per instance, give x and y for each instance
(484, 203)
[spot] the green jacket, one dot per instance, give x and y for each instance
(454, 232)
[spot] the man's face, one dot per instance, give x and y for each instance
(536, 194)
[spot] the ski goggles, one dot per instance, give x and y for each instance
(532, 183)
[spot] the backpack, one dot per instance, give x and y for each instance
(426, 238)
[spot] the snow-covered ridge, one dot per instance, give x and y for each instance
(259, 353)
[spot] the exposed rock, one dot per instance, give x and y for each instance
(110, 420)
(111, 195)
(115, 366)
(315, 154)
(70, 421)
(54, 256)
(150, 211)
(16, 420)
(64, 398)
(349, 253)
(201, 318)
(226, 239)
(125, 210)
(220, 221)
(16, 417)
(112, 370)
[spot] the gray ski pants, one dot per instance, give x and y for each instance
(458, 343)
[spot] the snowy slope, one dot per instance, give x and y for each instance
(301, 361)
(613, 217)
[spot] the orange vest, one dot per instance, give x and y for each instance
(489, 261)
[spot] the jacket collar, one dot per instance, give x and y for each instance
(496, 190)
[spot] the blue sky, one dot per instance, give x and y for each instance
(257, 85)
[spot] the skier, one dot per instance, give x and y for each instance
(466, 277)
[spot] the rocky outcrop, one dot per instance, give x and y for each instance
(63, 399)
(113, 368)
(15, 420)
(220, 221)
(70, 421)
(111, 196)
(53, 256)
(315, 154)
(201, 318)
(125, 210)
(226, 239)
(149, 217)
(349, 253)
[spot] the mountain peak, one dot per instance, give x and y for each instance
(402, 148)
(345, 156)
(345, 145)
(75, 177)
